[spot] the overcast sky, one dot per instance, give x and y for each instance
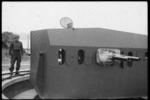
(23, 17)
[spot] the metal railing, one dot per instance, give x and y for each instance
(21, 73)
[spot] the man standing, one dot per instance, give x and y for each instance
(16, 53)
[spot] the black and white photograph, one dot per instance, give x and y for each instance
(74, 50)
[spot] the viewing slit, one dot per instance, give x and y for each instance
(80, 56)
(130, 63)
(61, 56)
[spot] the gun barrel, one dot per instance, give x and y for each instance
(133, 58)
(120, 57)
(126, 58)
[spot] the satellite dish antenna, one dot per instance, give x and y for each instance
(66, 22)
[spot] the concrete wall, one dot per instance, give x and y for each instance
(91, 80)
(88, 80)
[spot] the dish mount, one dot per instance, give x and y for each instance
(66, 23)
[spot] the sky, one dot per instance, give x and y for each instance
(23, 17)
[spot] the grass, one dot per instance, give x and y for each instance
(25, 63)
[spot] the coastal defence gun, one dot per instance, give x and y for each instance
(88, 63)
(107, 56)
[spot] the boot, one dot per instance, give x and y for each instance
(17, 73)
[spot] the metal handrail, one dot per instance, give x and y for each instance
(7, 72)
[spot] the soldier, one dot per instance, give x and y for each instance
(16, 53)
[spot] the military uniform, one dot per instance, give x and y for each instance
(16, 50)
